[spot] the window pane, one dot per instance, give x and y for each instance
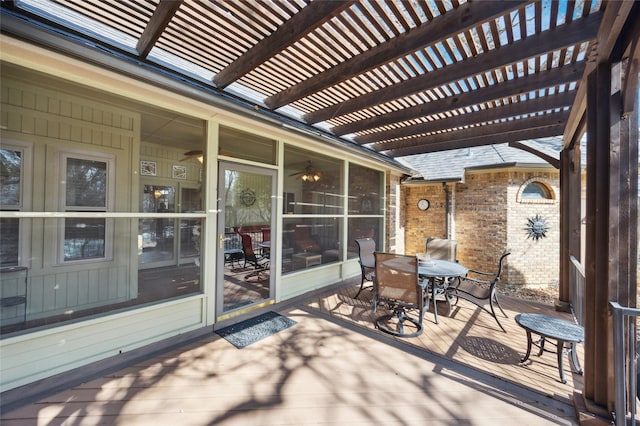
(535, 190)
(310, 242)
(190, 240)
(86, 183)
(10, 167)
(364, 227)
(84, 239)
(159, 199)
(365, 190)
(238, 144)
(313, 183)
(9, 241)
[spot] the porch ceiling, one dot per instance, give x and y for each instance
(399, 78)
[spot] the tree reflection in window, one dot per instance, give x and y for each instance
(10, 193)
(86, 183)
(86, 190)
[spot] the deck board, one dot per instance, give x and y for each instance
(331, 368)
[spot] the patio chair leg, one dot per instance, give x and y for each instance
(500, 306)
(493, 314)
(435, 302)
(358, 293)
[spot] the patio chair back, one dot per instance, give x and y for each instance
(366, 248)
(397, 284)
(258, 262)
(440, 248)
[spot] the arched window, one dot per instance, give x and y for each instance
(536, 191)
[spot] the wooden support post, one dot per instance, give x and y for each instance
(611, 231)
(570, 220)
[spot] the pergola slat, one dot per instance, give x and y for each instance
(292, 30)
(524, 49)
(455, 21)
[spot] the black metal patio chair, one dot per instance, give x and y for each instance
(366, 247)
(480, 289)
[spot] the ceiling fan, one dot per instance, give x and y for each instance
(197, 154)
(309, 174)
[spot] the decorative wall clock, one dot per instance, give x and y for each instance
(423, 204)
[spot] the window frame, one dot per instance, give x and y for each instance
(539, 181)
(90, 212)
(26, 185)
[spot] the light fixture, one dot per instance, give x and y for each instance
(198, 155)
(309, 174)
(311, 177)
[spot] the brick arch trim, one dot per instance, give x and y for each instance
(542, 181)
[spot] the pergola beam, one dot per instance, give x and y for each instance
(613, 19)
(426, 147)
(543, 120)
(573, 33)
(555, 162)
(309, 18)
(159, 20)
(461, 19)
(547, 103)
(516, 87)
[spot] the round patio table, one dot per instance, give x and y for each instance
(548, 327)
(440, 271)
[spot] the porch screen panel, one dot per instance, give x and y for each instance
(366, 207)
(313, 207)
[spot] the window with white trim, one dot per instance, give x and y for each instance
(86, 188)
(15, 173)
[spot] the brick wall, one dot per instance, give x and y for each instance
(533, 262)
(481, 211)
(489, 217)
(420, 225)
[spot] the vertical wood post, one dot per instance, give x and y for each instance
(570, 218)
(611, 231)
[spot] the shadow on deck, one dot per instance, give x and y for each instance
(331, 368)
(471, 337)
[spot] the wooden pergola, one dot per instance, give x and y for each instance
(399, 78)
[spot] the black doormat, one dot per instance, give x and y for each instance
(254, 329)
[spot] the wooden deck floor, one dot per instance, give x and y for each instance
(471, 337)
(331, 368)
